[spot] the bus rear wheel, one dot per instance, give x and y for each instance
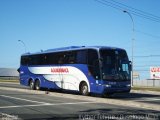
(84, 89)
(37, 85)
(31, 85)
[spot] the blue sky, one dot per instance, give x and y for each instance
(45, 24)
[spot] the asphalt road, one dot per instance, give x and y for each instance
(29, 105)
(144, 97)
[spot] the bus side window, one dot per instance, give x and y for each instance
(24, 60)
(71, 60)
(71, 57)
(81, 57)
(60, 61)
(93, 63)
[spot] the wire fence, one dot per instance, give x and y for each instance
(147, 83)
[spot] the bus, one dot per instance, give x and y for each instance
(98, 69)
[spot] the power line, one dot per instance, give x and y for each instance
(141, 70)
(144, 66)
(145, 56)
(136, 12)
(139, 12)
(104, 3)
(142, 56)
(148, 34)
(137, 9)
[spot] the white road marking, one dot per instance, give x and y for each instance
(46, 104)
(23, 99)
(39, 103)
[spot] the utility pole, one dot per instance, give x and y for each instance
(133, 38)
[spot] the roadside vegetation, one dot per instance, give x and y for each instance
(13, 81)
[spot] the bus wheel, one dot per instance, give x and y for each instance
(84, 89)
(31, 85)
(37, 85)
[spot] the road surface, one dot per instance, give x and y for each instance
(17, 102)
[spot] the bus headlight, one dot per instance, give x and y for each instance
(108, 85)
(129, 85)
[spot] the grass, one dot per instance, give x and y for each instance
(12, 81)
(146, 88)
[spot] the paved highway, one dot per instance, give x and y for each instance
(144, 97)
(16, 103)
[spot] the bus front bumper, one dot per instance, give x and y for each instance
(110, 89)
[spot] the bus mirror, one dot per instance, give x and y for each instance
(18, 70)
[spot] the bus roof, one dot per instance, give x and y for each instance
(72, 48)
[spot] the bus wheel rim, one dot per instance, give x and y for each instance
(84, 89)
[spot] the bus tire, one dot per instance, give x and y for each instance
(84, 89)
(37, 85)
(31, 85)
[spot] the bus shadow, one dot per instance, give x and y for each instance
(133, 95)
(114, 96)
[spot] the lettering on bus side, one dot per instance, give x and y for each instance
(59, 70)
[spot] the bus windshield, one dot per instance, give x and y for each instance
(115, 65)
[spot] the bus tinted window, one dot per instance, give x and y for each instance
(81, 57)
(70, 57)
(24, 60)
(93, 63)
(115, 63)
(52, 58)
(35, 60)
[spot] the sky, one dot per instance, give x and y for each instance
(46, 24)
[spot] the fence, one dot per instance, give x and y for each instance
(147, 83)
(136, 82)
(9, 77)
